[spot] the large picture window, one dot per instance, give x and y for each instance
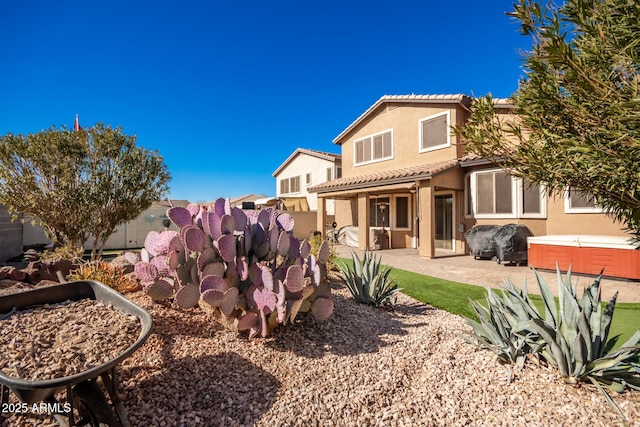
(495, 194)
(374, 148)
(434, 132)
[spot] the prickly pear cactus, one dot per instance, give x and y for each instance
(246, 264)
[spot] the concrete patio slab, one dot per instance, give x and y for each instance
(466, 269)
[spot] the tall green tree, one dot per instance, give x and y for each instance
(80, 184)
(577, 106)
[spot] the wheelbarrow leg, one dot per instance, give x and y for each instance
(4, 394)
(111, 384)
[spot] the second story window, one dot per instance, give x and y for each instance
(434, 132)
(290, 185)
(308, 179)
(374, 148)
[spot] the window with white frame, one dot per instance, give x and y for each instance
(308, 179)
(495, 194)
(290, 185)
(434, 132)
(576, 201)
(374, 148)
(532, 199)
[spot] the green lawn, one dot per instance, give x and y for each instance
(454, 298)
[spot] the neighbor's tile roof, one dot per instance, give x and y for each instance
(315, 153)
(394, 176)
(413, 98)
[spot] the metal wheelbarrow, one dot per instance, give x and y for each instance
(82, 390)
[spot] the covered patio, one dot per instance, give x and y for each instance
(417, 207)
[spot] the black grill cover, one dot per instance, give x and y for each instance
(511, 243)
(480, 240)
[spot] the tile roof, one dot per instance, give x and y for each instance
(413, 98)
(315, 153)
(395, 176)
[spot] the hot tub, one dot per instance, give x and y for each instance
(586, 254)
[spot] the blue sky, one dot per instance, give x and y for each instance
(227, 90)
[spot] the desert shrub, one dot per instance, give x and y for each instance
(316, 244)
(69, 252)
(107, 273)
(369, 282)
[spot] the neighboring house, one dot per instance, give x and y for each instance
(303, 169)
(247, 199)
(407, 182)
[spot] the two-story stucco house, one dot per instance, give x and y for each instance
(407, 182)
(304, 169)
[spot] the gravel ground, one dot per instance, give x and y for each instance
(64, 339)
(364, 366)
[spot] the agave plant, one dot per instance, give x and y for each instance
(369, 282)
(575, 337)
(494, 329)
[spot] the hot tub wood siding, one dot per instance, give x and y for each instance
(622, 263)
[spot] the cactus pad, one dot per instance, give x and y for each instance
(229, 301)
(187, 296)
(159, 290)
(322, 308)
(323, 252)
(265, 299)
(212, 297)
(305, 249)
(240, 219)
(295, 278)
(285, 221)
(216, 283)
(227, 224)
(193, 238)
(180, 216)
(157, 243)
(227, 247)
(214, 269)
(145, 272)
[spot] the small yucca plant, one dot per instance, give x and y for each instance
(369, 282)
(107, 273)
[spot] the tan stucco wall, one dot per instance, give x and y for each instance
(559, 222)
(405, 122)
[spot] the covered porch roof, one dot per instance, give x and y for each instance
(390, 180)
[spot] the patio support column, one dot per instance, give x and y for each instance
(363, 221)
(321, 216)
(427, 229)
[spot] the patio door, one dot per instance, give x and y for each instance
(444, 221)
